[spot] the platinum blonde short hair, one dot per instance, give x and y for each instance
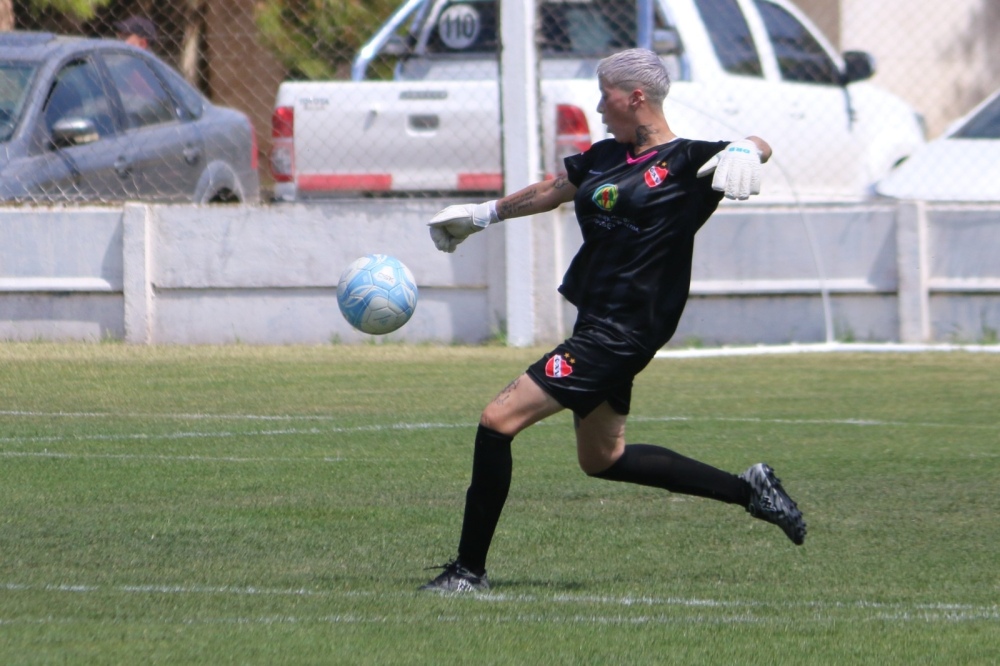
(636, 68)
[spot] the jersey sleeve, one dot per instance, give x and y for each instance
(696, 153)
(577, 166)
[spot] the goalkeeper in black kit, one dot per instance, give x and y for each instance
(640, 198)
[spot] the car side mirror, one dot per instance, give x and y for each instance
(859, 66)
(666, 41)
(74, 132)
(395, 47)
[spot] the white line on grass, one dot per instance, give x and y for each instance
(595, 619)
(182, 416)
(422, 426)
(41, 439)
(817, 610)
(342, 430)
(824, 422)
(237, 417)
(224, 434)
(523, 619)
(826, 348)
(137, 456)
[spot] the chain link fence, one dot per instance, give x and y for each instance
(399, 97)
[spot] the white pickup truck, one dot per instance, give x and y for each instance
(738, 67)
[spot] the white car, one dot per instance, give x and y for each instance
(961, 165)
(738, 67)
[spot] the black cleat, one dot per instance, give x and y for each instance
(456, 578)
(770, 502)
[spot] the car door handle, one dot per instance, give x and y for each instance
(192, 154)
(123, 167)
(730, 106)
(424, 122)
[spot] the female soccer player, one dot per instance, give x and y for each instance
(639, 200)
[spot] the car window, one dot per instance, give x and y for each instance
(587, 28)
(800, 57)
(145, 100)
(984, 125)
(192, 102)
(77, 93)
(731, 38)
(576, 27)
(15, 78)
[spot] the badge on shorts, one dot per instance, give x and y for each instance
(559, 366)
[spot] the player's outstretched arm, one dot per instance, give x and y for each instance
(538, 198)
(455, 223)
(737, 167)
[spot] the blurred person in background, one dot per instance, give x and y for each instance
(137, 31)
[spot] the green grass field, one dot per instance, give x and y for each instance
(279, 506)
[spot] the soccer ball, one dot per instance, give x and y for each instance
(377, 294)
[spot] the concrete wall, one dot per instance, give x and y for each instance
(268, 275)
(61, 274)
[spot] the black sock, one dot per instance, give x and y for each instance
(484, 500)
(649, 465)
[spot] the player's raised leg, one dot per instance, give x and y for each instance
(603, 454)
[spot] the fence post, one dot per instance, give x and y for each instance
(912, 265)
(137, 284)
(521, 160)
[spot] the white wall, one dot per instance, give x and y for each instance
(268, 275)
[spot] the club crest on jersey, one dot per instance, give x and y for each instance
(560, 366)
(656, 175)
(606, 196)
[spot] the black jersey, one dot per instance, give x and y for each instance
(638, 216)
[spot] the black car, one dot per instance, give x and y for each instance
(98, 120)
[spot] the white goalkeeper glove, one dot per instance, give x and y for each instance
(737, 170)
(454, 224)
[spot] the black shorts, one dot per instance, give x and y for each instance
(594, 365)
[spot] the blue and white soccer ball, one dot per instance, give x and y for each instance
(377, 294)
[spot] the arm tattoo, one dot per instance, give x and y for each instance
(517, 205)
(526, 200)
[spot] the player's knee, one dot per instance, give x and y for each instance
(495, 420)
(593, 463)
(489, 419)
